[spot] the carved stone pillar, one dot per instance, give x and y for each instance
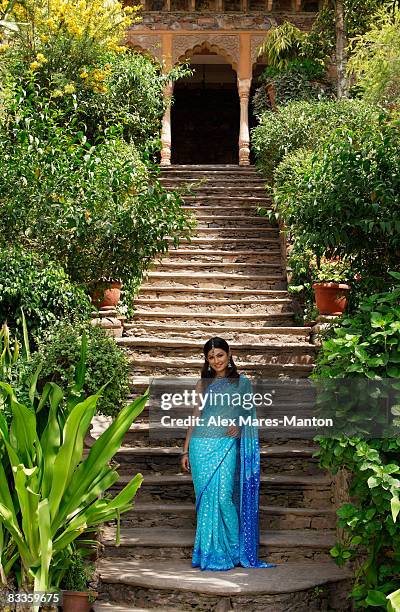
(244, 134)
(166, 128)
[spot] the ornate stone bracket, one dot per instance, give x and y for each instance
(256, 42)
(146, 43)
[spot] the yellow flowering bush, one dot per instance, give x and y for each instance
(63, 43)
(101, 21)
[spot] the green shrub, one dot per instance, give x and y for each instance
(59, 351)
(78, 574)
(300, 79)
(40, 287)
(94, 209)
(305, 125)
(344, 200)
(376, 60)
(367, 345)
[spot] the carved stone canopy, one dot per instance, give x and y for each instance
(226, 45)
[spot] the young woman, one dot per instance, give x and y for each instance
(224, 459)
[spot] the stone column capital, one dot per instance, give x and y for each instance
(244, 87)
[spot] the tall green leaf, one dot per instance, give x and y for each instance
(101, 452)
(71, 450)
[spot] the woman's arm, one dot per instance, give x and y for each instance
(196, 412)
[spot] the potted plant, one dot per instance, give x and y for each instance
(106, 293)
(76, 595)
(330, 285)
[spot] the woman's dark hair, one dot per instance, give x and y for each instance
(207, 372)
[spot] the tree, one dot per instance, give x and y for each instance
(376, 60)
(341, 49)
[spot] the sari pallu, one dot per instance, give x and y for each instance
(226, 479)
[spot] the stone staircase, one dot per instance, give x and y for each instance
(228, 281)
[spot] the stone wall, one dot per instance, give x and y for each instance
(178, 21)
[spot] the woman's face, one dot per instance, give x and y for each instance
(218, 360)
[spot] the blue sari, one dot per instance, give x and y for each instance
(226, 479)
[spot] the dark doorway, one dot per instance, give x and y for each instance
(205, 118)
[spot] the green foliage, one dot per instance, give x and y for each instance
(78, 573)
(50, 493)
(39, 287)
(304, 125)
(282, 44)
(359, 15)
(120, 89)
(394, 601)
(343, 200)
(95, 209)
(376, 60)
(331, 271)
(299, 79)
(58, 356)
(79, 117)
(367, 344)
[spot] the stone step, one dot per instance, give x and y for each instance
(239, 210)
(216, 179)
(184, 350)
(208, 201)
(267, 307)
(251, 296)
(165, 367)
(184, 516)
(272, 256)
(141, 435)
(286, 490)
(290, 586)
(235, 319)
(215, 280)
(264, 231)
(144, 434)
(112, 606)
(235, 169)
(208, 267)
(237, 221)
(243, 189)
(139, 384)
(277, 546)
(233, 244)
(189, 319)
(166, 460)
(230, 333)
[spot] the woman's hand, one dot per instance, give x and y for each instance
(185, 465)
(233, 432)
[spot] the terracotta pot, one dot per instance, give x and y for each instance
(77, 601)
(107, 297)
(331, 298)
(271, 91)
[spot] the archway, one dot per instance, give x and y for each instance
(205, 113)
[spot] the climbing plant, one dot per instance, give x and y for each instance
(367, 345)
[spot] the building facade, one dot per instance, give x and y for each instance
(210, 119)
